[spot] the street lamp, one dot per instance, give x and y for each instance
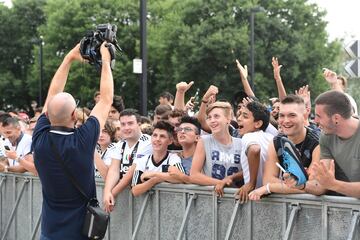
(143, 53)
(41, 43)
(253, 11)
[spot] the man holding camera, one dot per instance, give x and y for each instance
(64, 207)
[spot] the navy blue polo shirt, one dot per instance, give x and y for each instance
(64, 208)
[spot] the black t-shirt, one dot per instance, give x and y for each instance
(64, 208)
(305, 148)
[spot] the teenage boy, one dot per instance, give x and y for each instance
(153, 168)
(134, 145)
(292, 118)
(217, 156)
(188, 134)
(253, 121)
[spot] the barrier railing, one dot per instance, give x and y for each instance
(176, 211)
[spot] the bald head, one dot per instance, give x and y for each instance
(60, 109)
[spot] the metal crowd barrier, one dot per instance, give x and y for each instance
(177, 211)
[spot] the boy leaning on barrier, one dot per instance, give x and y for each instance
(135, 144)
(217, 158)
(305, 142)
(253, 121)
(188, 134)
(153, 168)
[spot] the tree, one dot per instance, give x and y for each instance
(194, 40)
(67, 23)
(187, 40)
(18, 29)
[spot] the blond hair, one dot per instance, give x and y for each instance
(226, 106)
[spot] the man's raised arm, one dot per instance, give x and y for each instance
(102, 108)
(59, 80)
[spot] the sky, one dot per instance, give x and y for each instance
(343, 17)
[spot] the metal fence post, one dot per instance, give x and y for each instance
(353, 225)
(14, 209)
(141, 214)
(232, 220)
(290, 225)
(186, 216)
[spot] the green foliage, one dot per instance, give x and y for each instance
(67, 22)
(190, 40)
(17, 32)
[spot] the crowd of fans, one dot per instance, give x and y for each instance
(218, 144)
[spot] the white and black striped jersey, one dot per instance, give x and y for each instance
(147, 163)
(127, 155)
(105, 155)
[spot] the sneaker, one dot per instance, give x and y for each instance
(291, 161)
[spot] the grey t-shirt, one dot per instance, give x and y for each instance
(345, 152)
(221, 160)
(186, 162)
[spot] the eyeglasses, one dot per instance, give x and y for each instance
(185, 129)
(77, 101)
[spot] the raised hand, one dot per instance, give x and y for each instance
(330, 76)
(305, 94)
(183, 86)
(105, 52)
(242, 69)
(210, 93)
(190, 104)
(276, 68)
(75, 54)
(247, 100)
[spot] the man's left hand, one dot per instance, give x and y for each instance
(323, 174)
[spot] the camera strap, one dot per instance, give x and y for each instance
(66, 170)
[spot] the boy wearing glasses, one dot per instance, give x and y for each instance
(188, 134)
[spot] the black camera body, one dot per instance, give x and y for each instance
(90, 44)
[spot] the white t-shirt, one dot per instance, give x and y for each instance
(2, 146)
(22, 148)
(147, 163)
(259, 138)
(272, 130)
(353, 103)
(122, 152)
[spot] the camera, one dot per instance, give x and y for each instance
(90, 44)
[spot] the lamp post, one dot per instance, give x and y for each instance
(143, 53)
(41, 43)
(253, 11)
